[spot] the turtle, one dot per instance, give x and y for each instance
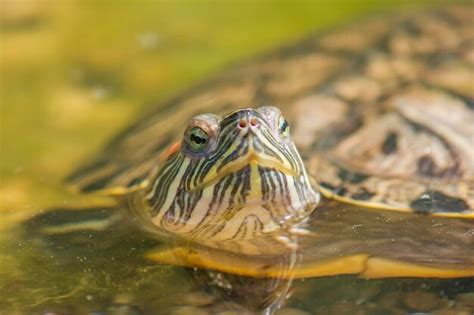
(375, 178)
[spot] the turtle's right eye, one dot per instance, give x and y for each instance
(283, 127)
(197, 139)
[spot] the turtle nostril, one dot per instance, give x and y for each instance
(253, 122)
(242, 124)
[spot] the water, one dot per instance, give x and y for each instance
(73, 74)
(105, 272)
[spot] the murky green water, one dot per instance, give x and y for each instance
(73, 73)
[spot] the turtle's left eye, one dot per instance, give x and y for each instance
(197, 139)
(283, 127)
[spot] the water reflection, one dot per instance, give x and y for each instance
(103, 257)
(116, 269)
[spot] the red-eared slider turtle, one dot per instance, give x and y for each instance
(376, 178)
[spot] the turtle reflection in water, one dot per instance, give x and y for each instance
(376, 178)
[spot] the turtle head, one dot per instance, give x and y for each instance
(232, 177)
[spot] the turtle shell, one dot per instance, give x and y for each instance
(381, 112)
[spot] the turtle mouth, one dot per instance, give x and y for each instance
(252, 159)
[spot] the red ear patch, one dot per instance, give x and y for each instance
(170, 150)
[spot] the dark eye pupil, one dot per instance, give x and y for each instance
(197, 139)
(283, 126)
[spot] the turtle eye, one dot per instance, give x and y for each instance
(283, 127)
(197, 139)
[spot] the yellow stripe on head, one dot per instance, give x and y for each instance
(244, 164)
